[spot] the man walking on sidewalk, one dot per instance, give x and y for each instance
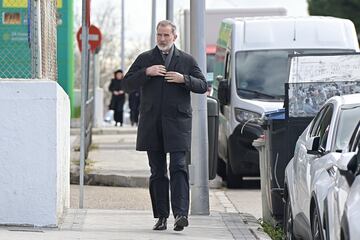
(165, 76)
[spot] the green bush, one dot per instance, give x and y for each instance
(276, 233)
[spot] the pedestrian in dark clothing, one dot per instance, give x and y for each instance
(118, 96)
(134, 103)
(166, 76)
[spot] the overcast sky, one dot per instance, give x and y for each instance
(138, 12)
(138, 16)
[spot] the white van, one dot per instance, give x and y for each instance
(251, 67)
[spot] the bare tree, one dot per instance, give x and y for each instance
(108, 19)
(108, 22)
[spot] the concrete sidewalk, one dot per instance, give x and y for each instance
(113, 161)
(123, 224)
(131, 218)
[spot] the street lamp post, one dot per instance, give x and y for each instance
(170, 10)
(153, 24)
(199, 143)
(122, 35)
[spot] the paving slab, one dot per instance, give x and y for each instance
(113, 161)
(100, 224)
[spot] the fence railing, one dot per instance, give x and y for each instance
(28, 39)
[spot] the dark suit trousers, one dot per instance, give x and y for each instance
(159, 183)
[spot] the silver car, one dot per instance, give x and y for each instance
(318, 148)
(341, 205)
(351, 217)
(340, 176)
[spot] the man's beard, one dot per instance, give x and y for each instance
(165, 48)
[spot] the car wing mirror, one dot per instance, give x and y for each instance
(312, 145)
(347, 162)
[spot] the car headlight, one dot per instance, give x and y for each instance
(243, 116)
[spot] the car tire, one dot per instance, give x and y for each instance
(232, 180)
(288, 220)
(316, 227)
(221, 168)
(344, 235)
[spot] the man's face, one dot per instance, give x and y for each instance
(165, 38)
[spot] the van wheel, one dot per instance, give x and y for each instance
(232, 180)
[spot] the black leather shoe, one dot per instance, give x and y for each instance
(180, 223)
(160, 224)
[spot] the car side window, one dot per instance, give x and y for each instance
(317, 121)
(324, 127)
(355, 139)
(354, 146)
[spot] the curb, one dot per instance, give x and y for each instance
(254, 226)
(113, 180)
(123, 180)
(107, 131)
(243, 226)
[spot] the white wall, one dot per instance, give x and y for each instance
(34, 152)
(99, 105)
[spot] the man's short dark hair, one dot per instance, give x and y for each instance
(118, 71)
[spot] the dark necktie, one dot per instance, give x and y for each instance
(167, 59)
(164, 55)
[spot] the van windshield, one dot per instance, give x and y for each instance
(210, 60)
(262, 74)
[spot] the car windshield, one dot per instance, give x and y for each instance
(349, 117)
(262, 74)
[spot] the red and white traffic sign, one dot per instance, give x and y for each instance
(94, 38)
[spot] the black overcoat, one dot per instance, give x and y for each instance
(165, 108)
(117, 101)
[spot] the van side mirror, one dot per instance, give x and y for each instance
(312, 145)
(219, 78)
(223, 92)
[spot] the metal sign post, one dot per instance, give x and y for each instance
(35, 15)
(84, 89)
(122, 55)
(153, 24)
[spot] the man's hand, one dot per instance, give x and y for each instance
(156, 70)
(174, 77)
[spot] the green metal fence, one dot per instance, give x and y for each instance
(28, 39)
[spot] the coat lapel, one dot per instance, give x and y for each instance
(156, 57)
(174, 59)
